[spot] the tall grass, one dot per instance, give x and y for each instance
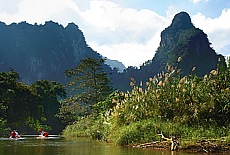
(169, 103)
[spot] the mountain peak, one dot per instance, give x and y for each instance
(183, 39)
(182, 21)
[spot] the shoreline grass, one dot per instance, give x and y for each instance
(191, 139)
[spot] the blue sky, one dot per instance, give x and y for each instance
(125, 30)
(210, 8)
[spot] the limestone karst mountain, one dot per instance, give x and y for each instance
(42, 51)
(182, 39)
(46, 51)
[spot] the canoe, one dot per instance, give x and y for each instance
(43, 137)
(12, 138)
(17, 138)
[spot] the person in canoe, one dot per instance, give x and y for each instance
(43, 133)
(14, 134)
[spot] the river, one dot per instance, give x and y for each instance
(71, 146)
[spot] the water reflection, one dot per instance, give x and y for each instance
(72, 146)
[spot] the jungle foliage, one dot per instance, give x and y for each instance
(183, 106)
(23, 106)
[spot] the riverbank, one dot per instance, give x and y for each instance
(148, 134)
(207, 147)
(199, 146)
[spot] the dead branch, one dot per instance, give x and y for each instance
(173, 141)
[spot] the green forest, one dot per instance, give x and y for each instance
(168, 104)
(190, 108)
(27, 107)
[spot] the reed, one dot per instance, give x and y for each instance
(169, 103)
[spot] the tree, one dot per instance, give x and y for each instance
(90, 79)
(7, 92)
(24, 103)
(48, 92)
(23, 106)
(17, 101)
(89, 85)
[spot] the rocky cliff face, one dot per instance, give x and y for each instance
(42, 51)
(46, 51)
(182, 39)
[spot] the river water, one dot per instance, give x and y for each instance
(71, 146)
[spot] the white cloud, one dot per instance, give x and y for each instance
(217, 29)
(199, 1)
(39, 11)
(125, 34)
(130, 53)
(125, 23)
(171, 12)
